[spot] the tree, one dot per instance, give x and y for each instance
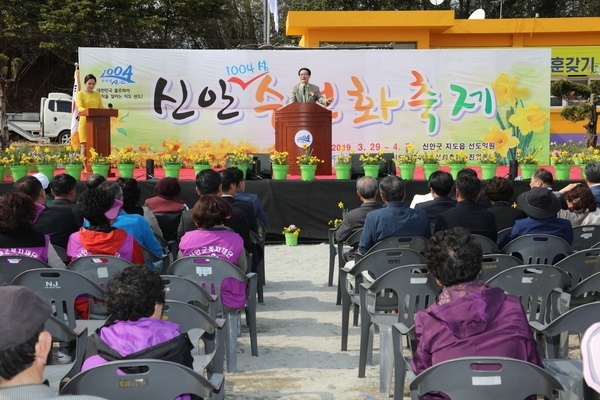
(9, 70)
(585, 99)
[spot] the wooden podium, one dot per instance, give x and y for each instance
(97, 129)
(311, 117)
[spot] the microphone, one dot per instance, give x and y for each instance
(110, 105)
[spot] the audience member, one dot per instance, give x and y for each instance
(440, 185)
(45, 185)
(541, 206)
(366, 190)
(17, 236)
(25, 345)
(63, 187)
(212, 238)
(228, 189)
(499, 192)
(166, 201)
(57, 222)
(241, 194)
(94, 180)
(395, 218)
(131, 197)
(592, 178)
(135, 297)
(541, 178)
(468, 213)
(581, 205)
(469, 318)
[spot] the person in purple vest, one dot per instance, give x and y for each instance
(18, 213)
(214, 239)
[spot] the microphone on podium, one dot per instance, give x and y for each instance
(110, 105)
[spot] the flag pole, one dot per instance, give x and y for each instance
(268, 22)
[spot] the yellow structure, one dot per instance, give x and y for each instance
(440, 30)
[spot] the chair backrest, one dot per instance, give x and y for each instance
(60, 288)
(581, 265)
(576, 320)
(168, 223)
(188, 317)
(538, 249)
(493, 264)
(353, 240)
(591, 284)
(490, 378)
(585, 236)
(590, 349)
(141, 379)
(416, 243)
(62, 253)
(182, 289)
(502, 233)
(61, 332)
(11, 266)
(487, 245)
(533, 285)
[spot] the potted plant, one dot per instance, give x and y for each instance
(431, 162)
(279, 164)
(72, 161)
(457, 162)
(488, 160)
(562, 162)
(45, 159)
(371, 163)
(200, 161)
(240, 159)
(172, 160)
(17, 158)
(528, 161)
(126, 159)
(308, 163)
(100, 164)
(407, 162)
(291, 235)
(342, 165)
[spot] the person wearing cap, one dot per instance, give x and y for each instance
(541, 206)
(45, 185)
(18, 213)
(24, 346)
(167, 207)
(58, 223)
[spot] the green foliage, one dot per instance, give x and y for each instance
(566, 89)
(576, 113)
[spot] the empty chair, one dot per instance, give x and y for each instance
(586, 291)
(585, 237)
(538, 249)
(581, 265)
(487, 245)
(11, 266)
(493, 264)
(142, 379)
(168, 222)
(377, 263)
(210, 272)
(416, 243)
(490, 378)
(182, 289)
(408, 289)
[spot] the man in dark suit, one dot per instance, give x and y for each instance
(467, 213)
(366, 190)
(499, 192)
(440, 184)
(209, 182)
(592, 178)
(305, 92)
(63, 190)
(228, 188)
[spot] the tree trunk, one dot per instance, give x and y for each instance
(591, 139)
(4, 134)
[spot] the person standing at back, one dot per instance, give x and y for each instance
(87, 98)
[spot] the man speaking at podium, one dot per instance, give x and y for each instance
(305, 92)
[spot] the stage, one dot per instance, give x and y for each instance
(309, 205)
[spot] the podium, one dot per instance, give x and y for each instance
(295, 118)
(97, 129)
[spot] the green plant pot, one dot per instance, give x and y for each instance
(527, 170)
(200, 167)
(74, 170)
(407, 171)
(18, 171)
(371, 170)
(342, 171)
(429, 169)
(562, 172)
(172, 170)
(455, 168)
(291, 240)
(126, 170)
(243, 168)
(488, 171)
(101, 169)
(47, 170)
(280, 172)
(307, 172)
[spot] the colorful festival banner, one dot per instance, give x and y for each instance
(438, 100)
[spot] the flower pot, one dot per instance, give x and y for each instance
(200, 167)
(243, 168)
(562, 172)
(47, 170)
(101, 169)
(18, 171)
(74, 170)
(291, 239)
(488, 171)
(582, 167)
(429, 169)
(126, 170)
(172, 170)
(527, 170)
(455, 168)
(407, 171)
(371, 170)
(342, 171)
(280, 171)
(307, 172)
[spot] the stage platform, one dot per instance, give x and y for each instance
(309, 205)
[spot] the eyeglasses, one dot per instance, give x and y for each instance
(304, 75)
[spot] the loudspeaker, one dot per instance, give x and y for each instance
(388, 167)
(149, 169)
(261, 167)
(513, 170)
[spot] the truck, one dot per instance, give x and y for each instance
(53, 122)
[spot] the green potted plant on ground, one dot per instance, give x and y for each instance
(291, 234)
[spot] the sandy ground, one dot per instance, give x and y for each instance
(299, 336)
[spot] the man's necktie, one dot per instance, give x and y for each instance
(306, 93)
